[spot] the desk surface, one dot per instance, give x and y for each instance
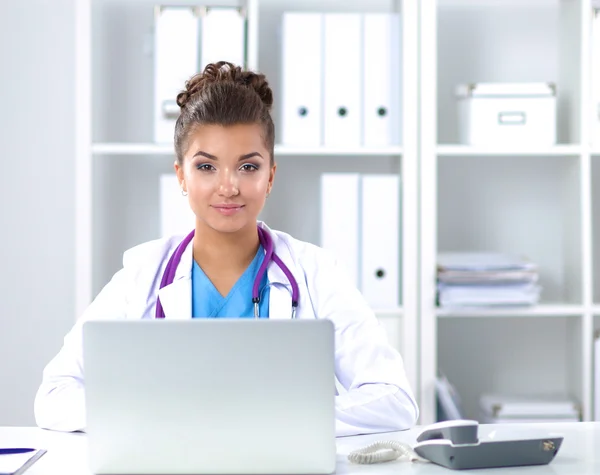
(579, 454)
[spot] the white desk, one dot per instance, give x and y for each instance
(579, 454)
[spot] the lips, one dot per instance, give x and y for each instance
(228, 209)
(228, 206)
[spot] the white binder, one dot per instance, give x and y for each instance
(595, 56)
(343, 79)
(223, 31)
(302, 75)
(380, 253)
(382, 85)
(340, 231)
(597, 376)
(176, 216)
(175, 61)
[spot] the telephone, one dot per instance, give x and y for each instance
(457, 445)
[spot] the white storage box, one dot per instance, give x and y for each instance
(507, 114)
(497, 408)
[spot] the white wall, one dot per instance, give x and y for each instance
(36, 195)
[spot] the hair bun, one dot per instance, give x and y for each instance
(223, 72)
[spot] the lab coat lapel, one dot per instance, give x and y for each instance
(280, 300)
(176, 298)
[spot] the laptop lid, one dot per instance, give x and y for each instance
(223, 396)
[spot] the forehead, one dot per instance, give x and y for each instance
(226, 141)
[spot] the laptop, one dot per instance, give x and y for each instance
(223, 396)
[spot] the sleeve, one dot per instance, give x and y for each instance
(60, 400)
(377, 396)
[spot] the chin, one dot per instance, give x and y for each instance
(227, 225)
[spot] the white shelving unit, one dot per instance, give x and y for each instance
(534, 202)
(537, 202)
(119, 165)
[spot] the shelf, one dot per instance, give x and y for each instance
(544, 310)
(596, 310)
(389, 312)
(106, 148)
(282, 150)
(497, 3)
(468, 151)
(132, 149)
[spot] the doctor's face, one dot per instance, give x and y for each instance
(227, 174)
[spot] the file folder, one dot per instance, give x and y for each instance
(380, 253)
(175, 61)
(381, 79)
(340, 229)
(595, 57)
(176, 215)
(343, 79)
(223, 33)
(597, 376)
(302, 75)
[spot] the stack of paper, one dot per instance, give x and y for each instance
(500, 408)
(486, 279)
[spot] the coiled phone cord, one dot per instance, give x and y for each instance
(384, 451)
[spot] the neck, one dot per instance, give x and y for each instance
(233, 251)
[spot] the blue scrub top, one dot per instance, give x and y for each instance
(207, 302)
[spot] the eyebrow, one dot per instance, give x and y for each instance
(242, 157)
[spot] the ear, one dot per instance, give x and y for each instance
(179, 173)
(271, 178)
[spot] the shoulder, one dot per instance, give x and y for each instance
(300, 252)
(150, 252)
(312, 264)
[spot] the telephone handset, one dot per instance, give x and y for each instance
(456, 444)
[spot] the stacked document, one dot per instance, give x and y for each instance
(524, 409)
(478, 279)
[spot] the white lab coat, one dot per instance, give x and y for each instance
(376, 396)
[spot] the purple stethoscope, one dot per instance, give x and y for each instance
(267, 244)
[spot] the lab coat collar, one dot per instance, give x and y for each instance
(280, 300)
(176, 298)
(274, 273)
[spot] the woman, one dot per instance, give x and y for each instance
(224, 141)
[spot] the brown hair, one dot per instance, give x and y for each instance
(224, 94)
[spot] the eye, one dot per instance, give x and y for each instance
(205, 167)
(249, 167)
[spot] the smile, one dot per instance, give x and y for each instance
(228, 210)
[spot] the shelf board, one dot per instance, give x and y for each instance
(288, 151)
(468, 151)
(544, 310)
(596, 310)
(108, 148)
(497, 3)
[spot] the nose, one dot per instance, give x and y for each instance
(228, 185)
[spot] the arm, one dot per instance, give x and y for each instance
(378, 396)
(60, 400)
